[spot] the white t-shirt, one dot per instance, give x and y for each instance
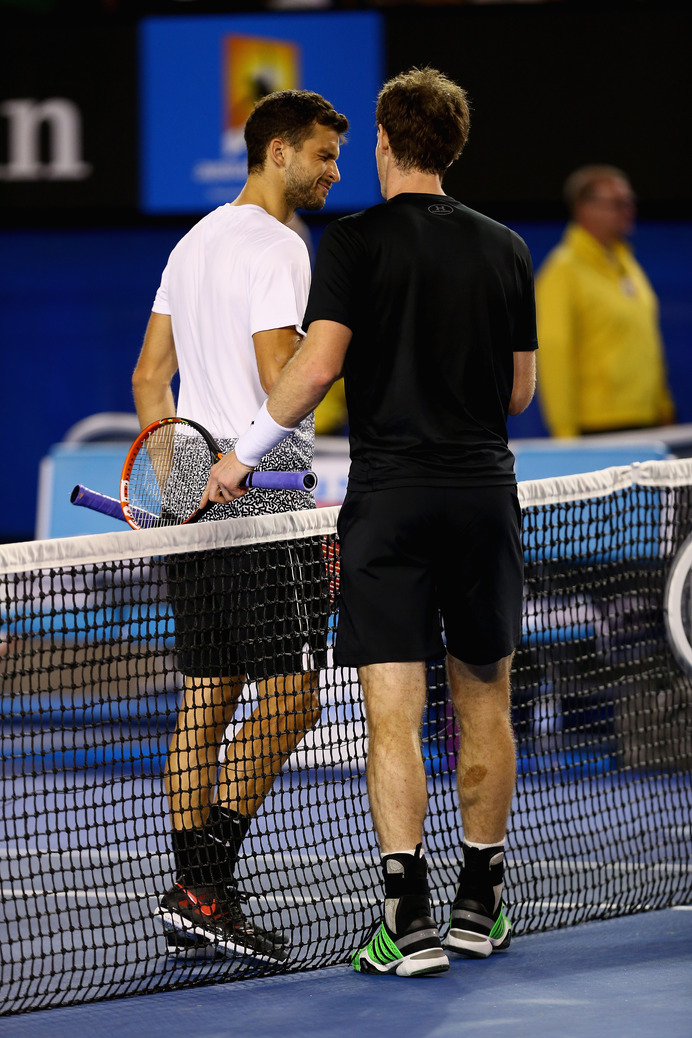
(236, 272)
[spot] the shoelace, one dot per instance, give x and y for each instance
(232, 899)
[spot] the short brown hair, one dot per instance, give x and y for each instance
(581, 184)
(290, 114)
(427, 119)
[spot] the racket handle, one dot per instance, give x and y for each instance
(97, 502)
(305, 480)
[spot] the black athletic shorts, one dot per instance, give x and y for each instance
(413, 558)
(260, 610)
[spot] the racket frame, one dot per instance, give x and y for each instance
(305, 480)
(129, 509)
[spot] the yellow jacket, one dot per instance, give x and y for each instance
(600, 359)
(331, 415)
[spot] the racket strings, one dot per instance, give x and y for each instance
(164, 465)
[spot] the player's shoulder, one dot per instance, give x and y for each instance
(358, 228)
(252, 220)
(205, 229)
(259, 234)
(352, 222)
(494, 228)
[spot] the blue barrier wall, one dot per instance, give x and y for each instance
(74, 305)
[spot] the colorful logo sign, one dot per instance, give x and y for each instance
(253, 68)
(201, 76)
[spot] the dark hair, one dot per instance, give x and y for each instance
(290, 114)
(581, 184)
(427, 119)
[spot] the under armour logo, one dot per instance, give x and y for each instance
(440, 209)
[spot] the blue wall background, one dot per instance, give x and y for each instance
(74, 306)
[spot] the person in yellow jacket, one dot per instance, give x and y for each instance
(601, 365)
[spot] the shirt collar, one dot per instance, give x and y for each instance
(588, 247)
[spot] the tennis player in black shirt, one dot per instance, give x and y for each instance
(428, 310)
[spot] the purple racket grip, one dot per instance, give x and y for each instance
(97, 502)
(305, 480)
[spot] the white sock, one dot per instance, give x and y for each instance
(485, 846)
(412, 853)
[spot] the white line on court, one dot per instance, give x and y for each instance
(97, 894)
(102, 894)
(546, 866)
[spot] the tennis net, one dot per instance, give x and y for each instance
(90, 686)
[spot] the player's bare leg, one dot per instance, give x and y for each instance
(192, 765)
(407, 943)
(394, 695)
(198, 922)
(199, 918)
(486, 774)
(288, 707)
(212, 826)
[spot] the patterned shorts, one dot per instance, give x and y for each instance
(259, 610)
(190, 473)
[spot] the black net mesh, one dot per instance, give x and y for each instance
(96, 633)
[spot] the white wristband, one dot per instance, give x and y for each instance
(263, 434)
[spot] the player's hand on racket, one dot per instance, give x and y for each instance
(168, 457)
(226, 479)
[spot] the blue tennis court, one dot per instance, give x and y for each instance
(630, 976)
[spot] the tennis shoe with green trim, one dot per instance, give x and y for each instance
(417, 952)
(474, 933)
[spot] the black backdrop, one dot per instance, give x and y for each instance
(557, 86)
(553, 86)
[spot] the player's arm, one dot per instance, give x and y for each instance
(273, 350)
(299, 388)
(307, 377)
(157, 364)
(524, 384)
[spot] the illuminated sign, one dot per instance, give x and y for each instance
(200, 77)
(26, 119)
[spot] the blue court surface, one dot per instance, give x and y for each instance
(630, 976)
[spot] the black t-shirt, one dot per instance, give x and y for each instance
(438, 298)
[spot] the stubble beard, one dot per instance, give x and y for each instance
(302, 193)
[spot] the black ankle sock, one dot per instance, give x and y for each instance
(225, 832)
(208, 854)
(228, 827)
(181, 856)
(189, 857)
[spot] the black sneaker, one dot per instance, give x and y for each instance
(476, 934)
(231, 894)
(192, 947)
(204, 916)
(416, 951)
(189, 946)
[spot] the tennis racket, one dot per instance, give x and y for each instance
(86, 498)
(164, 470)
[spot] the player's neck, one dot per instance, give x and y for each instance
(268, 196)
(415, 182)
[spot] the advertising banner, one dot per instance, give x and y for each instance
(68, 123)
(200, 77)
